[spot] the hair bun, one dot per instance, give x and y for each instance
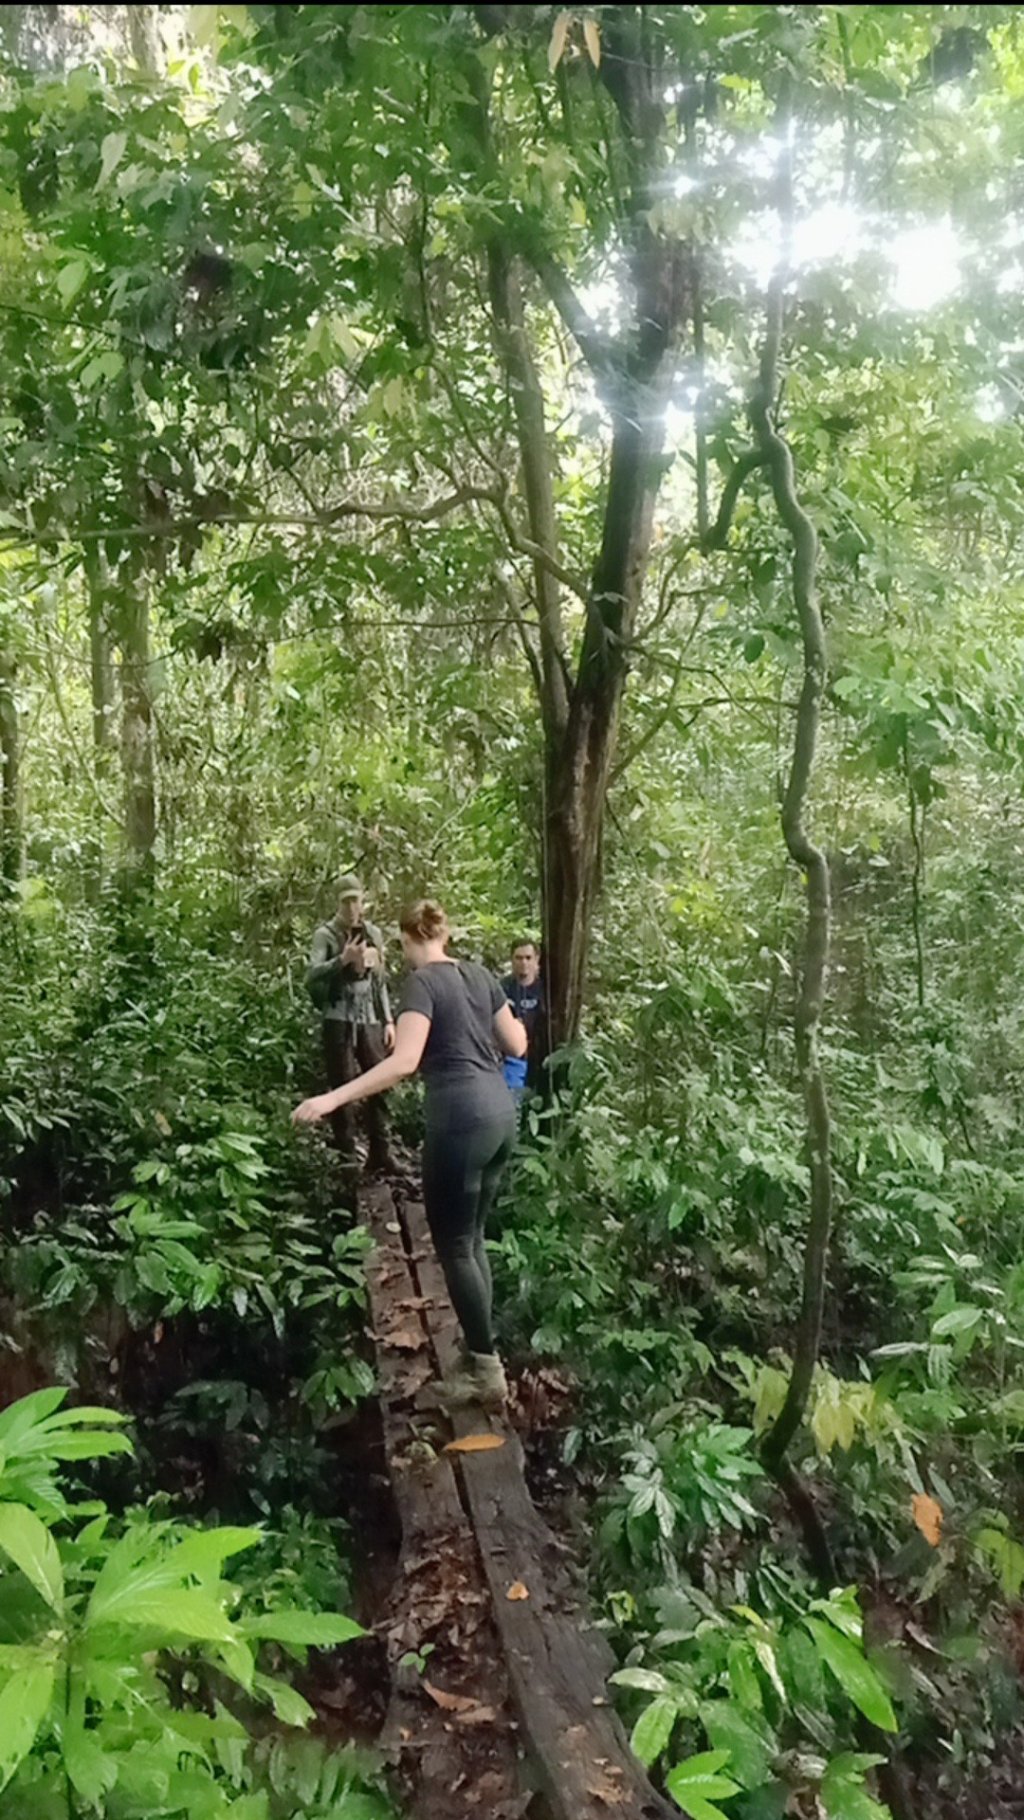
(425, 921)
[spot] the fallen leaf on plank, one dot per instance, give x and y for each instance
(517, 1591)
(477, 1715)
(475, 1444)
(449, 1703)
(404, 1340)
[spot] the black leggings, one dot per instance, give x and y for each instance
(462, 1173)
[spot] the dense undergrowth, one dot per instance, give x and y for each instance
(170, 1253)
(660, 1263)
(304, 478)
(189, 1265)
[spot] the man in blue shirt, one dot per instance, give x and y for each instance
(524, 989)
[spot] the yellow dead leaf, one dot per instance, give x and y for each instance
(475, 1444)
(558, 38)
(517, 1591)
(449, 1703)
(927, 1514)
(161, 1124)
(405, 1340)
(592, 40)
(478, 1715)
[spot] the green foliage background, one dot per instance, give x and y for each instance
(337, 674)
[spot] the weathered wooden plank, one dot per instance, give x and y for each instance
(458, 1761)
(557, 1663)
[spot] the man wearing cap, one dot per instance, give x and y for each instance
(348, 984)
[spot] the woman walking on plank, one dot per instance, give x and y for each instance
(452, 1019)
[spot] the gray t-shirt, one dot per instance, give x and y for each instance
(460, 1065)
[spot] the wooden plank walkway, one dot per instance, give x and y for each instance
(474, 1542)
(449, 1728)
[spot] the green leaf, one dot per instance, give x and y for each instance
(31, 1547)
(78, 1447)
(288, 1705)
(320, 1630)
(27, 1413)
(843, 1794)
(183, 1614)
(764, 1650)
(112, 152)
(958, 1321)
(1008, 1557)
(653, 1729)
(743, 1682)
(750, 1748)
(97, 1414)
(92, 1770)
(71, 278)
(645, 1680)
(842, 1611)
(855, 1675)
(698, 1784)
(1011, 1407)
(138, 1565)
(23, 1706)
(206, 1551)
(239, 1662)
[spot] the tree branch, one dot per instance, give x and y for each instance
(716, 536)
(525, 546)
(597, 349)
(376, 510)
(528, 408)
(522, 627)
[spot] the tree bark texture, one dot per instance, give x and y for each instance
(136, 726)
(10, 774)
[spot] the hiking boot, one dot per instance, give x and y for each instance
(480, 1381)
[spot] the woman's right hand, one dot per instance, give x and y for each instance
(313, 1109)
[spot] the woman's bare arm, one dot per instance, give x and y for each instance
(410, 1041)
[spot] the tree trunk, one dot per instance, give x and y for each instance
(101, 665)
(10, 779)
(916, 810)
(136, 728)
(144, 38)
(580, 714)
(102, 686)
(579, 761)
